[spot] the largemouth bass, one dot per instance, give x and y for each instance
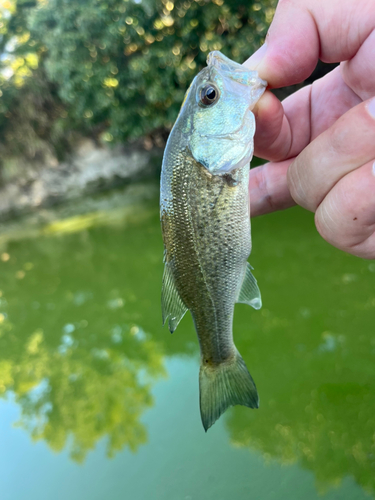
(206, 225)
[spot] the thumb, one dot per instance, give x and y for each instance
(291, 50)
(304, 30)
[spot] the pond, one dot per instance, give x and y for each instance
(99, 401)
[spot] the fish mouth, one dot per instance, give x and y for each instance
(236, 72)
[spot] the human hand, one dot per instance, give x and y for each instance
(321, 140)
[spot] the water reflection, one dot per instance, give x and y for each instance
(314, 352)
(85, 388)
(71, 349)
(81, 344)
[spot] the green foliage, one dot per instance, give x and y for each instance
(32, 116)
(33, 121)
(120, 68)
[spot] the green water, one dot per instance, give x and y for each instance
(99, 402)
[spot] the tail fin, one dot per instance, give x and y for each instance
(227, 384)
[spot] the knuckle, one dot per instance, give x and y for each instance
(338, 233)
(323, 227)
(295, 184)
(262, 184)
(340, 140)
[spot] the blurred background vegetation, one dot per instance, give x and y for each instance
(111, 70)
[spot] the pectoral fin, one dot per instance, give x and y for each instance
(250, 293)
(171, 304)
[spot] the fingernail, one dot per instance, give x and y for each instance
(373, 168)
(256, 58)
(371, 107)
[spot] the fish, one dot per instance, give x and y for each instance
(205, 221)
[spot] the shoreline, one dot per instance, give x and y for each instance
(90, 169)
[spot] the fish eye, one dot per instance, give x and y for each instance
(209, 95)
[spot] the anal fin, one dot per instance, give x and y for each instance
(250, 293)
(173, 309)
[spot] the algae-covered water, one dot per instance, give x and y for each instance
(98, 401)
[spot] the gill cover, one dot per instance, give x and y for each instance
(220, 134)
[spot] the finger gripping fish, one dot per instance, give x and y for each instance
(205, 219)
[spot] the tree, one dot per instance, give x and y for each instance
(117, 69)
